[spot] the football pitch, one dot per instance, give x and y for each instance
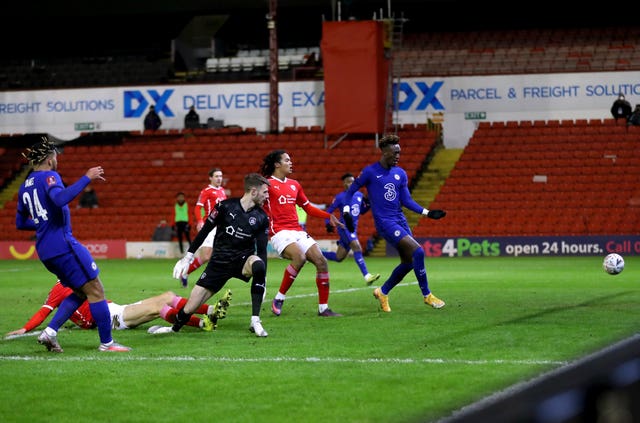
(507, 320)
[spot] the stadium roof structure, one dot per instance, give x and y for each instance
(48, 25)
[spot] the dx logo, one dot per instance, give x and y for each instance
(416, 96)
(136, 103)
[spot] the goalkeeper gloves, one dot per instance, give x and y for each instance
(434, 214)
(329, 228)
(181, 269)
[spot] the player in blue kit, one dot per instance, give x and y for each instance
(349, 239)
(43, 206)
(387, 189)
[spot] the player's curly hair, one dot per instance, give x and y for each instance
(39, 152)
(269, 162)
(388, 139)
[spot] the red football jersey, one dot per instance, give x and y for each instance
(81, 317)
(208, 198)
(281, 204)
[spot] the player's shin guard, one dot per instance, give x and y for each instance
(420, 271)
(258, 286)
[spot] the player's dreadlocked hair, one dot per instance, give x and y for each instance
(38, 152)
(388, 139)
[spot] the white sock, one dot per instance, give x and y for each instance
(255, 319)
(280, 296)
(322, 307)
(50, 331)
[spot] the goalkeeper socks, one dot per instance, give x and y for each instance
(182, 319)
(258, 282)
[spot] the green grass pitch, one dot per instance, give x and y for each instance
(507, 320)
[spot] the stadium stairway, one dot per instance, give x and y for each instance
(429, 184)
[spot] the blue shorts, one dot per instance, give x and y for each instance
(75, 268)
(393, 232)
(346, 238)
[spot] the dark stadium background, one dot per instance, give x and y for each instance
(83, 27)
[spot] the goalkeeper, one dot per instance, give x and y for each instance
(387, 189)
(239, 251)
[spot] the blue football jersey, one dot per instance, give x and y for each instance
(41, 199)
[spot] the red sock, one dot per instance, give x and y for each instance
(289, 276)
(179, 302)
(322, 282)
(194, 265)
(194, 321)
(169, 314)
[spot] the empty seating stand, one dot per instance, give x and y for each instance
(145, 171)
(517, 179)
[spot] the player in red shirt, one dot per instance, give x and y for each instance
(287, 237)
(211, 195)
(126, 316)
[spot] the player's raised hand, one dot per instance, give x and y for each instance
(181, 269)
(95, 173)
(336, 222)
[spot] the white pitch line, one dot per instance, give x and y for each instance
(129, 357)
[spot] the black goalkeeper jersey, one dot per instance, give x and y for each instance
(239, 233)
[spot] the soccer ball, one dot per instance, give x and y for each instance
(613, 264)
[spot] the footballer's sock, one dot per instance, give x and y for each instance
(330, 255)
(259, 271)
(168, 313)
(288, 277)
(420, 271)
(179, 302)
(194, 321)
(100, 313)
(322, 282)
(194, 265)
(357, 256)
(68, 306)
(396, 276)
(182, 319)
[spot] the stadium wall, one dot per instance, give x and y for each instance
(461, 102)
